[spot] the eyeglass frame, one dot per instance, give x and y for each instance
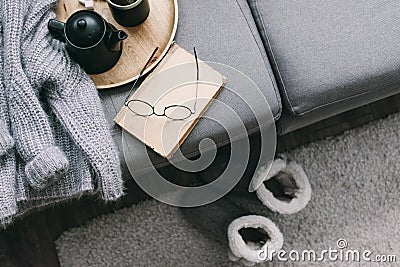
(192, 112)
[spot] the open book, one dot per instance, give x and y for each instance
(173, 82)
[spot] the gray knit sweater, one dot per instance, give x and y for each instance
(63, 146)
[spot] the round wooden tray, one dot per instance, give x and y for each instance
(157, 31)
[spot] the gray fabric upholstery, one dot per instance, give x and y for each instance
(225, 32)
(289, 122)
(330, 56)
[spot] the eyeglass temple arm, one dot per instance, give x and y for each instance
(197, 77)
(140, 75)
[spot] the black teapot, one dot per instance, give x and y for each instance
(91, 41)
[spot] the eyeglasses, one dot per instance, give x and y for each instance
(174, 112)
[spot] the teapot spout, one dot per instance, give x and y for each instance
(115, 39)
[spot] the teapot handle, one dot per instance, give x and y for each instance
(56, 28)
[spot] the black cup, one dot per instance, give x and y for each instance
(129, 15)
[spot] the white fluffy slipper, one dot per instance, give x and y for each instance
(246, 249)
(291, 180)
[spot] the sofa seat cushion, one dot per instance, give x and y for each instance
(223, 32)
(328, 53)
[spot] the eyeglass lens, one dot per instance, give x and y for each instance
(140, 108)
(178, 112)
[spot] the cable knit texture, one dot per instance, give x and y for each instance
(6, 141)
(8, 203)
(72, 96)
(29, 121)
(63, 140)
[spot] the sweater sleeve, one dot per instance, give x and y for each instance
(73, 97)
(31, 130)
(8, 202)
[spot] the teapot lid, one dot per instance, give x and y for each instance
(85, 28)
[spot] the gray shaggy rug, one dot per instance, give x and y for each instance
(356, 196)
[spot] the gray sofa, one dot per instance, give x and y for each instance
(311, 60)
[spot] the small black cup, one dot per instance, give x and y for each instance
(129, 15)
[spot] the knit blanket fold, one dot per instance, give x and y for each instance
(51, 109)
